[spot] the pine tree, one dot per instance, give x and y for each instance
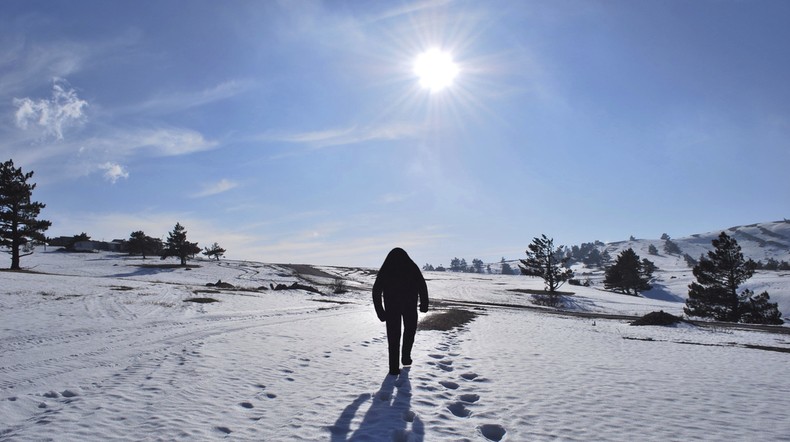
(715, 293)
(672, 248)
(628, 274)
(506, 269)
(653, 250)
(19, 221)
(215, 250)
(178, 246)
(545, 261)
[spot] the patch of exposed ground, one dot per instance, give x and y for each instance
(447, 320)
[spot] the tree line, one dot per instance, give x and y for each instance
(460, 265)
(20, 225)
(714, 294)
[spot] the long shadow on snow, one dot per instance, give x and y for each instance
(143, 271)
(387, 418)
(660, 293)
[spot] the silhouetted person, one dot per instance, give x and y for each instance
(402, 284)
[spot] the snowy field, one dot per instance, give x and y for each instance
(96, 347)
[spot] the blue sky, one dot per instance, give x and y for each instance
(298, 132)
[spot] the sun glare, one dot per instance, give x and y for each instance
(435, 69)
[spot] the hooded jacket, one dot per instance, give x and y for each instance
(401, 283)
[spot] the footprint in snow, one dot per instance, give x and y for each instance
(492, 432)
(459, 409)
(469, 398)
(449, 384)
(246, 405)
(225, 430)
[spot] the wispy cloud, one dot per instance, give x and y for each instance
(411, 8)
(25, 63)
(105, 152)
(186, 100)
(51, 115)
(350, 135)
(157, 142)
(392, 198)
(165, 141)
(113, 172)
(220, 186)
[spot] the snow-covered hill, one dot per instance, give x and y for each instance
(105, 347)
(759, 242)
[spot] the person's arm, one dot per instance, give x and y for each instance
(377, 289)
(423, 291)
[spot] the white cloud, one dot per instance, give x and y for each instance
(220, 186)
(169, 142)
(53, 115)
(352, 135)
(113, 172)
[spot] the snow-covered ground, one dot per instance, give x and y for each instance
(96, 347)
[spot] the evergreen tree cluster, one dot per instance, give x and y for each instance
(176, 246)
(141, 244)
(773, 265)
(460, 265)
(629, 274)
(588, 254)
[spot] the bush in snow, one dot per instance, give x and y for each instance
(338, 286)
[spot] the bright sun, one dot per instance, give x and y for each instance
(435, 69)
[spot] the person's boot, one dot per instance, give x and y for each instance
(394, 371)
(406, 360)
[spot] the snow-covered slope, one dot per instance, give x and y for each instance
(759, 242)
(95, 347)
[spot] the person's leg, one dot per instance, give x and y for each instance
(409, 330)
(393, 342)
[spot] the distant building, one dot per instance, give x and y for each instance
(67, 242)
